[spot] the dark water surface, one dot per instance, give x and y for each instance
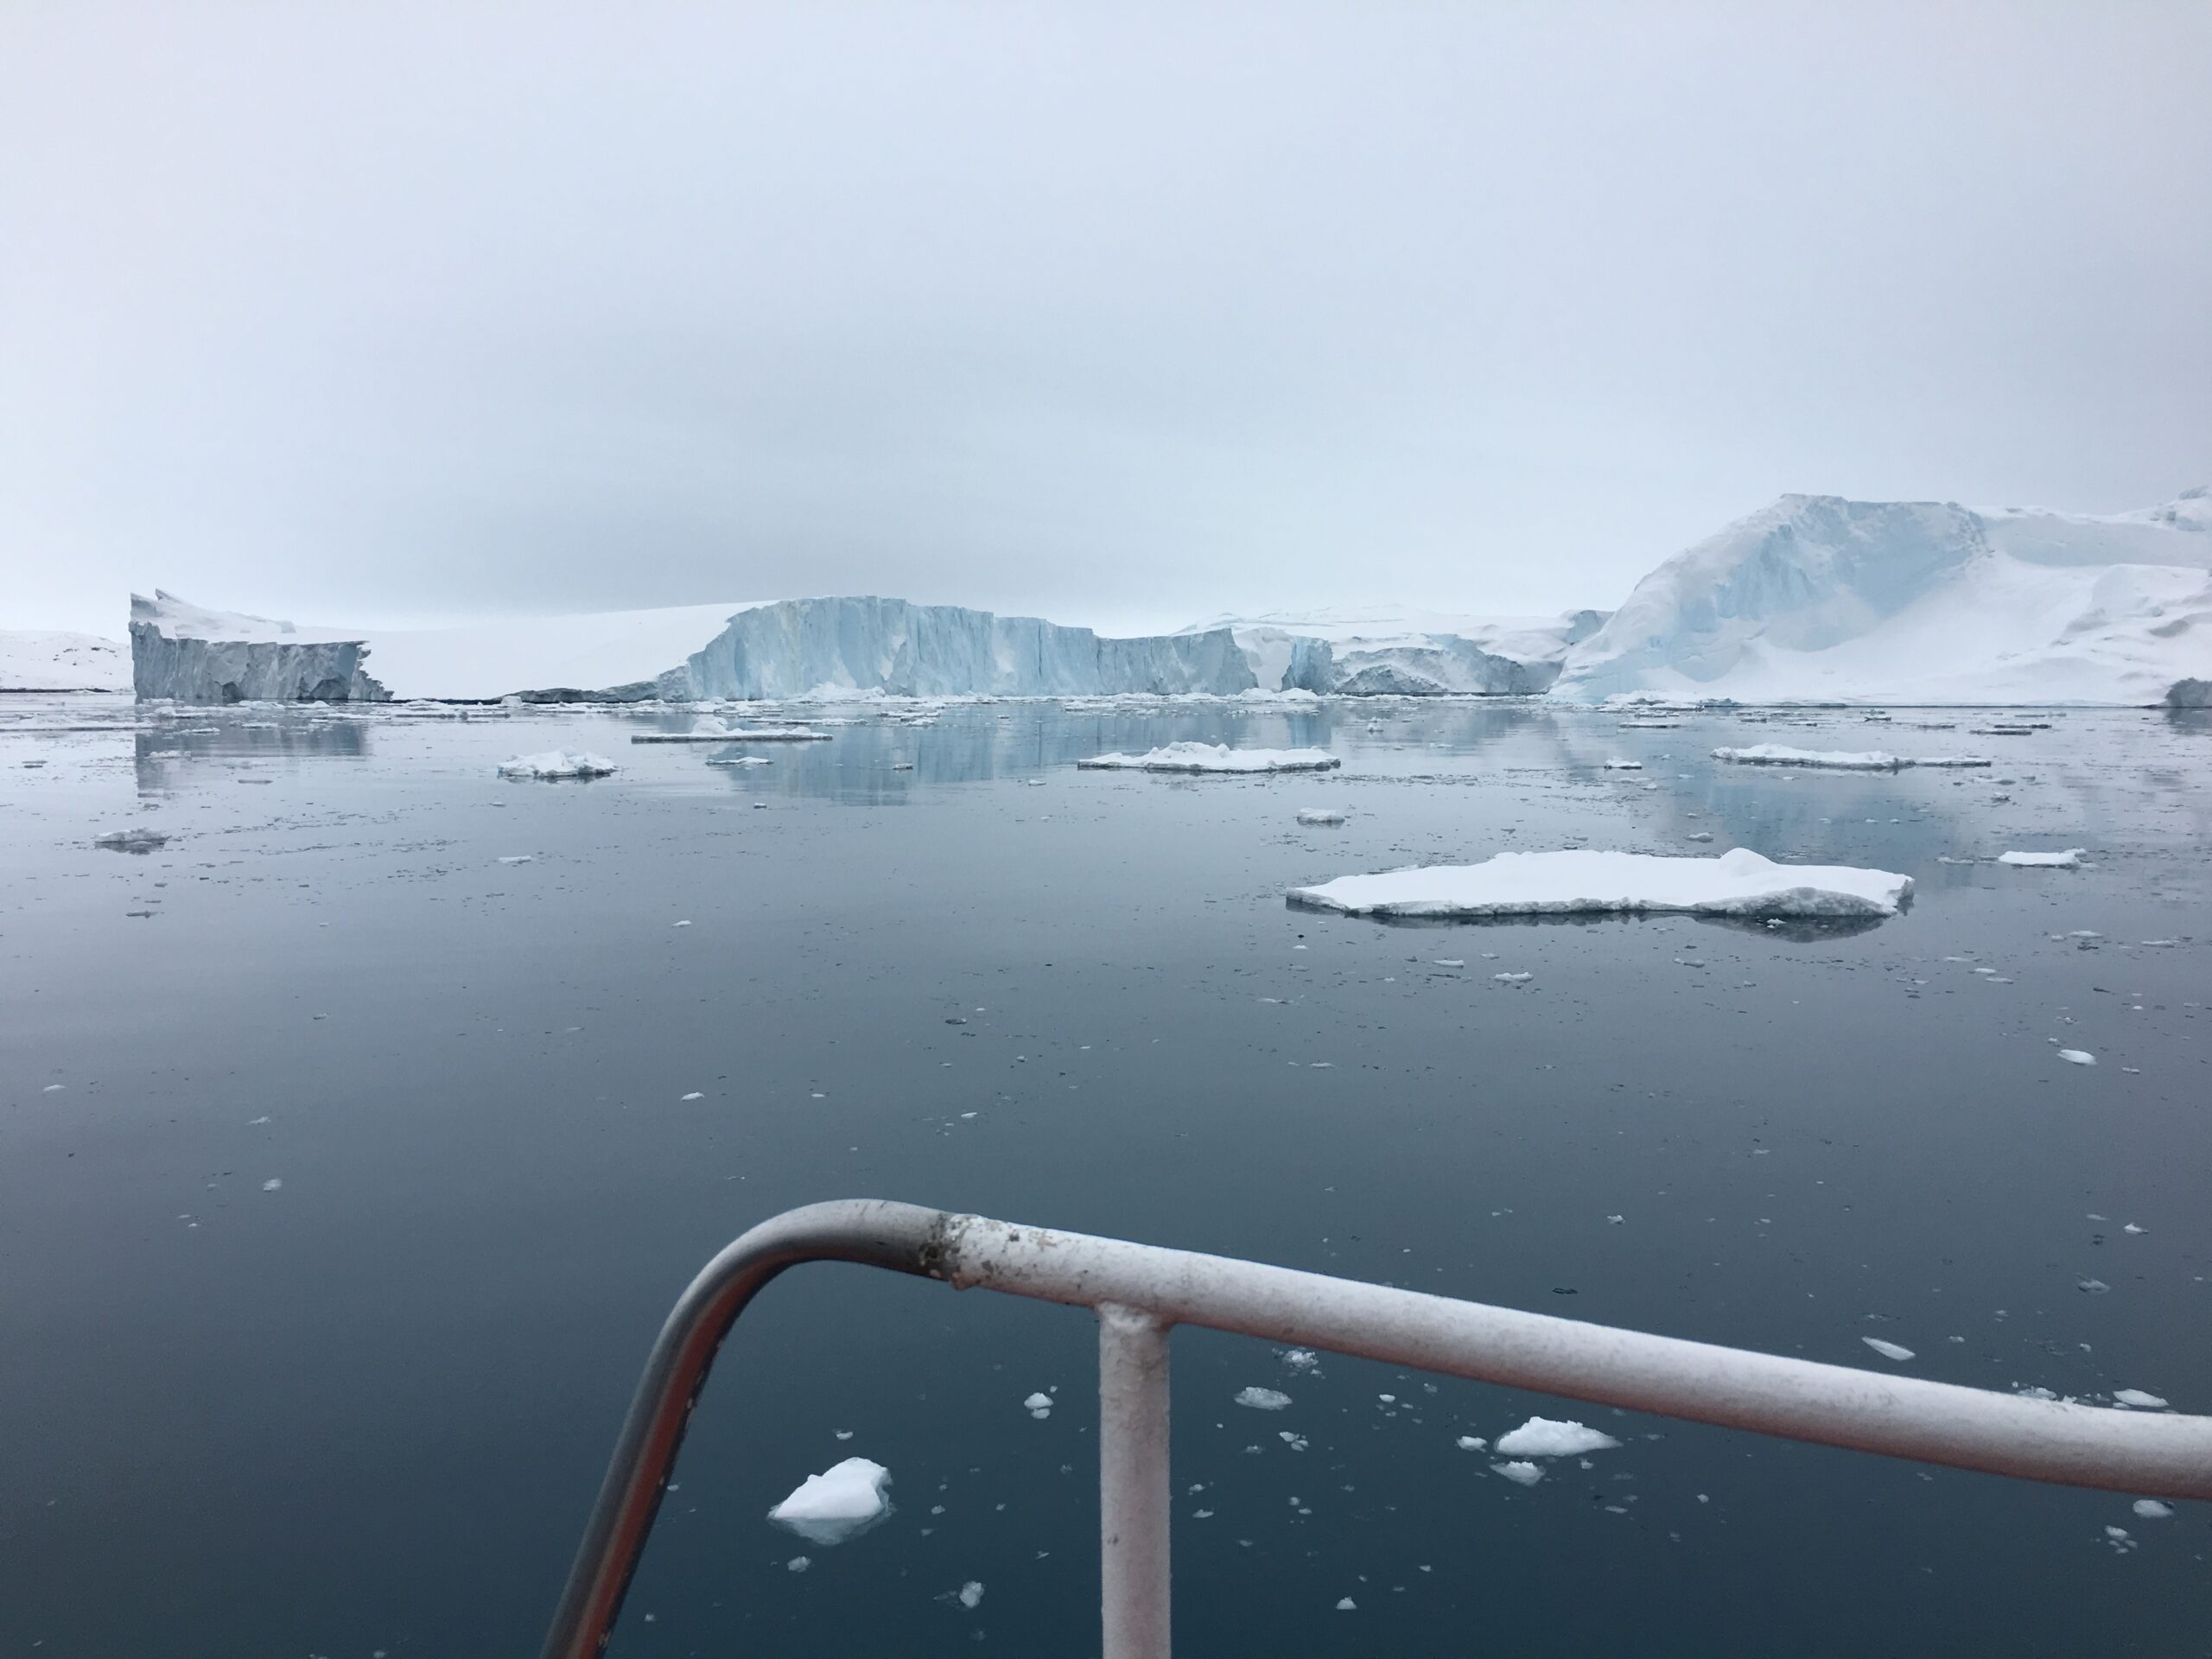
(365, 1410)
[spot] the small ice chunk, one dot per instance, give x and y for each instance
(1262, 1399)
(693, 1095)
(1520, 1473)
(557, 763)
(134, 840)
(1300, 1359)
(2077, 1057)
(1544, 1437)
(971, 1594)
(2151, 1509)
(1471, 1443)
(2068, 860)
(1896, 1351)
(1319, 815)
(797, 1564)
(1512, 979)
(517, 858)
(1618, 765)
(272, 1184)
(1346, 1605)
(1039, 1405)
(2139, 1399)
(830, 1507)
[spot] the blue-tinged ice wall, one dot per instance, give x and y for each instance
(891, 646)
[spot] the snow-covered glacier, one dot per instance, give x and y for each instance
(1817, 598)
(33, 659)
(1393, 651)
(749, 649)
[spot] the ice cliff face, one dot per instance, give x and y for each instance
(1389, 651)
(180, 651)
(805, 645)
(788, 649)
(1819, 598)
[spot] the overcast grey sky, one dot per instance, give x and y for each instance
(1117, 313)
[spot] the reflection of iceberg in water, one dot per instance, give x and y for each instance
(166, 755)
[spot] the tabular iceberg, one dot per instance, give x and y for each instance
(790, 648)
(1389, 651)
(804, 646)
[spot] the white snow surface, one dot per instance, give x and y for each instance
(1818, 598)
(1214, 757)
(830, 1507)
(557, 763)
(34, 660)
(1546, 1437)
(1781, 754)
(1738, 883)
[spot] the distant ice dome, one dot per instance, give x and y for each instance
(1818, 597)
(1213, 757)
(1738, 883)
(33, 660)
(830, 1507)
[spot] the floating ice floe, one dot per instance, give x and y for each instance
(1519, 1472)
(1262, 1399)
(1213, 757)
(830, 1507)
(1578, 882)
(1619, 765)
(2077, 1057)
(1319, 815)
(1039, 1405)
(2138, 1399)
(1545, 1437)
(717, 733)
(134, 840)
(2151, 1509)
(557, 763)
(1780, 754)
(2068, 860)
(1470, 1443)
(1896, 1351)
(971, 1594)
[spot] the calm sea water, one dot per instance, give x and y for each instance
(347, 1171)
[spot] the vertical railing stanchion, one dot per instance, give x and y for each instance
(1133, 1486)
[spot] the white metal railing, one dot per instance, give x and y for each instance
(1141, 1291)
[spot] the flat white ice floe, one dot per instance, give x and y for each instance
(1546, 1437)
(1519, 1473)
(1580, 882)
(2068, 860)
(830, 1507)
(1781, 754)
(1262, 1399)
(1896, 1351)
(2139, 1399)
(1213, 757)
(557, 763)
(1319, 815)
(2077, 1057)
